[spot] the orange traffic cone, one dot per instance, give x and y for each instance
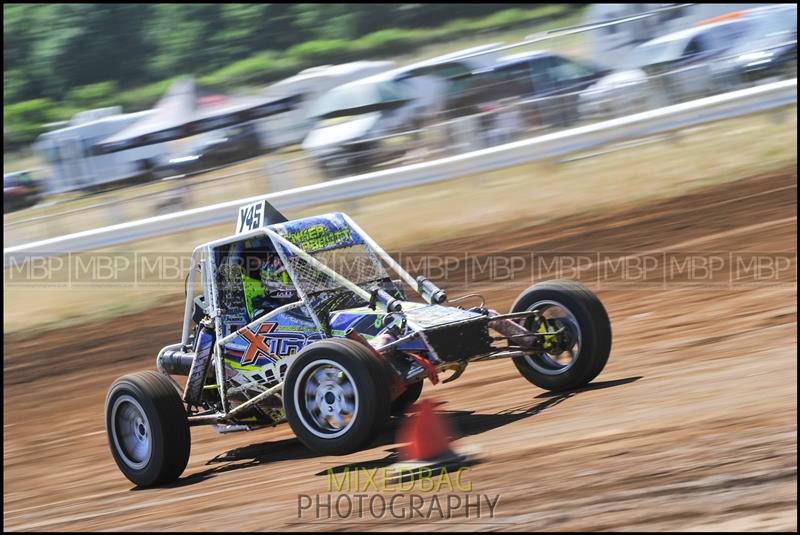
(425, 435)
(425, 446)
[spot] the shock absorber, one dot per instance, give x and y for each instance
(204, 346)
(430, 292)
(512, 330)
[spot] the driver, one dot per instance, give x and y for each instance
(268, 287)
(275, 277)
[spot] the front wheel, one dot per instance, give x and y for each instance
(409, 396)
(336, 396)
(578, 353)
(147, 428)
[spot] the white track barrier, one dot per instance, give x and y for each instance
(705, 110)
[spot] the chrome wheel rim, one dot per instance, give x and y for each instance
(565, 350)
(326, 398)
(131, 432)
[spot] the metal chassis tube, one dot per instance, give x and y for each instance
(208, 270)
(406, 276)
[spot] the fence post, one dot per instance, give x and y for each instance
(778, 116)
(278, 177)
(116, 211)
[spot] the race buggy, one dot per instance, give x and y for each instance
(300, 321)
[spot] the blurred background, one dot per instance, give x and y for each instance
(477, 132)
(373, 87)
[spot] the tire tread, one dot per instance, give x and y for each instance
(598, 329)
(167, 416)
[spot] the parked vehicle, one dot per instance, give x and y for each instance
(672, 68)
(766, 51)
(680, 65)
(214, 149)
(547, 84)
(19, 191)
(618, 94)
(293, 126)
(376, 119)
(74, 165)
(300, 321)
(611, 46)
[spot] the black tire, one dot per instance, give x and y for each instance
(165, 424)
(407, 398)
(595, 335)
(369, 380)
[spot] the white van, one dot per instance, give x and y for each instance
(291, 127)
(612, 46)
(72, 164)
(353, 119)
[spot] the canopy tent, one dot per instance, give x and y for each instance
(186, 110)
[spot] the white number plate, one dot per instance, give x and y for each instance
(251, 217)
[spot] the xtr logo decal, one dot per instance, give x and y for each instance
(256, 344)
(265, 342)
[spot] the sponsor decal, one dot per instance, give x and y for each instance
(319, 237)
(265, 345)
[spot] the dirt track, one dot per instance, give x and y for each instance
(692, 425)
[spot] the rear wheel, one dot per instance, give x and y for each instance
(147, 428)
(578, 353)
(336, 396)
